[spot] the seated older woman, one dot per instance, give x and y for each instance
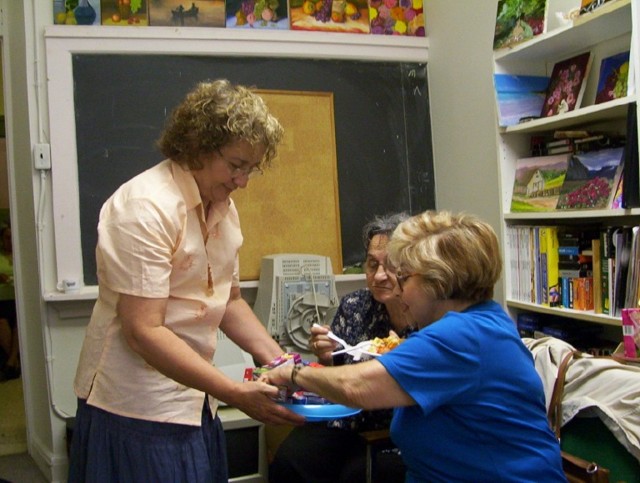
(469, 403)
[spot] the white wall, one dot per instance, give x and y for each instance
(464, 138)
(463, 108)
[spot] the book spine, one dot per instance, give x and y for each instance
(597, 275)
(549, 263)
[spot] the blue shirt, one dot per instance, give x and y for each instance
(480, 412)
(360, 317)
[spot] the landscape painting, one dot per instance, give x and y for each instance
(517, 21)
(187, 13)
(538, 182)
(520, 97)
(591, 180)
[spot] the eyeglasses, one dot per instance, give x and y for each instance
(235, 170)
(402, 278)
(371, 266)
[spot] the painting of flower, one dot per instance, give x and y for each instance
(566, 86)
(614, 73)
(591, 180)
(396, 17)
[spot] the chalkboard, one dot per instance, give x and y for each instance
(382, 123)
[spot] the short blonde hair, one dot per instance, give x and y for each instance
(456, 255)
(215, 114)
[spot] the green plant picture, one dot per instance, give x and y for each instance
(517, 21)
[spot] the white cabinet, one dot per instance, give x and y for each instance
(607, 30)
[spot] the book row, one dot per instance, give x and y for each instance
(388, 17)
(588, 269)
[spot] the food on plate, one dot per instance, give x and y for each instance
(383, 345)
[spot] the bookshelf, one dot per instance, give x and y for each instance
(607, 30)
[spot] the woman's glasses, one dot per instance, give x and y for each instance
(402, 278)
(235, 170)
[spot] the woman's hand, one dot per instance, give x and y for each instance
(321, 345)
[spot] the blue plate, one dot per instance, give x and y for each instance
(322, 412)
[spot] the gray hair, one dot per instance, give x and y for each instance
(382, 225)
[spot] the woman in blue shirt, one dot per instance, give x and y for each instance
(469, 404)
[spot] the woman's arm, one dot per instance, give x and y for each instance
(242, 326)
(366, 385)
(145, 332)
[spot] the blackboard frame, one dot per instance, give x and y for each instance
(61, 47)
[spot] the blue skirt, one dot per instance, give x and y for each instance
(110, 448)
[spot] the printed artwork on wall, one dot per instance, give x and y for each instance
(396, 17)
(330, 15)
(76, 12)
(257, 14)
(124, 12)
(187, 13)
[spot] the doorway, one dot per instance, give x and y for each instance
(13, 430)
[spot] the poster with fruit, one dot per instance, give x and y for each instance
(257, 14)
(351, 16)
(186, 13)
(124, 12)
(76, 12)
(396, 17)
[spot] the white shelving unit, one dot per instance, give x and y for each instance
(609, 29)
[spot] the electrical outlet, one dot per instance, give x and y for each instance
(42, 156)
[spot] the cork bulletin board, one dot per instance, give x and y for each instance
(294, 206)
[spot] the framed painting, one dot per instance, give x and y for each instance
(396, 17)
(330, 16)
(538, 182)
(519, 97)
(294, 207)
(613, 79)
(257, 14)
(517, 21)
(187, 13)
(591, 180)
(566, 86)
(124, 12)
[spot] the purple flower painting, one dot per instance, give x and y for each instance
(566, 85)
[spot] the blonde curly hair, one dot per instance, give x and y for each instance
(456, 256)
(214, 114)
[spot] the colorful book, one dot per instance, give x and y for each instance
(549, 266)
(597, 275)
(538, 182)
(613, 80)
(591, 180)
(566, 86)
(631, 332)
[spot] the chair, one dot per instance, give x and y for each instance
(376, 440)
